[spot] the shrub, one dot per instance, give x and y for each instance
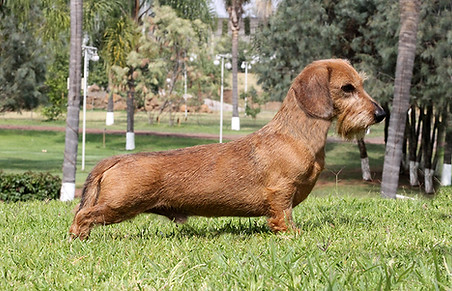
(29, 186)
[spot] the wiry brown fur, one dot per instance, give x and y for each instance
(266, 173)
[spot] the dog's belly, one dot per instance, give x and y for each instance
(211, 204)
(174, 213)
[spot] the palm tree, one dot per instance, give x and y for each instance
(409, 19)
(235, 11)
(120, 40)
(73, 107)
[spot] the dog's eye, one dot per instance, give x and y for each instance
(349, 88)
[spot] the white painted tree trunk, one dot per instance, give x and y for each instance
(235, 123)
(365, 169)
(446, 175)
(414, 178)
(130, 141)
(428, 174)
(110, 118)
(67, 192)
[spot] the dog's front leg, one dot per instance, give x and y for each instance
(280, 200)
(282, 221)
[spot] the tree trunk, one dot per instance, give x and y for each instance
(427, 141)
(440, 124)
(413, 139)
(387, 119)
(235, 13)
(446, 175)
(73, 108)
(110, 120)
(404, 162)
(130, 135)
(365, 168)
(409, 19)
(438, 143)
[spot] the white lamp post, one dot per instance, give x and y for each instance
(90, 54)
(228, 66)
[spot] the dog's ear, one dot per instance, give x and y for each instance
(312, 91)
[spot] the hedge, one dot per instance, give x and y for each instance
(29, 186)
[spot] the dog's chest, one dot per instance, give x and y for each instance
(307, 180)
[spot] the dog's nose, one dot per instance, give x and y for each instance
(379, 114)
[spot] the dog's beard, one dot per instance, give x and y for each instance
(355, 128)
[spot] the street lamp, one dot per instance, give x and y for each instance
(228, 66)
(90, 54)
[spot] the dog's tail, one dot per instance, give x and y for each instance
(92, 186)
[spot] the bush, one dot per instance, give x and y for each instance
(28, 186)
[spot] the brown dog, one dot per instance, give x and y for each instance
(266, 173)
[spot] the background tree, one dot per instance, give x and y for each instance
(120, 39)
(409, 19)
(192, 10)
(431, 91)
(23, 64)
(157, 64)
(56, 86)
(73, 107)
(235, 11)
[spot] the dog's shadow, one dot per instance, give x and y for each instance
(152, 230)
(231, 227)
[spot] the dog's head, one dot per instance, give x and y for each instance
(333, 89)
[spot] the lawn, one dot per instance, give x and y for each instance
(195, 123)
(346, 243)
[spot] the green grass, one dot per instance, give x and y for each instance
(347, 243)
(195, 123)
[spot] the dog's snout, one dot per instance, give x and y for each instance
(379, 113)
